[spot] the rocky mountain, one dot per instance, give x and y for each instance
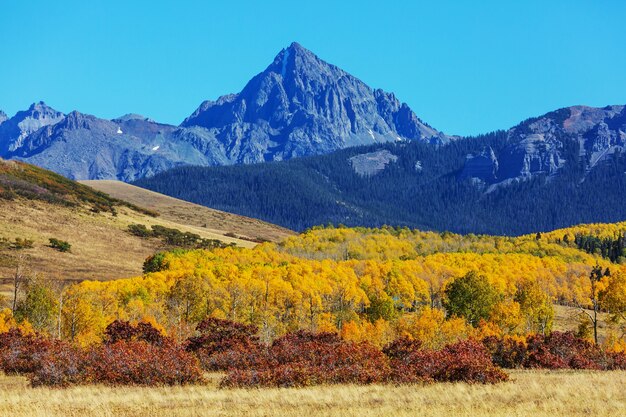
(543, 145)
(563, 168)
(3, 117)
(81, 146)
(299, 106)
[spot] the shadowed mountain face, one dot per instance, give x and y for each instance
(299, 106)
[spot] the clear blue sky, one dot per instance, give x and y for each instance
(463, 66)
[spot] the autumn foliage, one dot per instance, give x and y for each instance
(465, 361)
(141, 355)
(303, 358)
(131, 356)
(559, 350)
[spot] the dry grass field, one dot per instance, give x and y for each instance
(529, 393)
(101, 246)
(180, 211)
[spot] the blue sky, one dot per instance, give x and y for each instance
(465, 67)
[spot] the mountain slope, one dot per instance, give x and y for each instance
(37, 205)
(546, 173)
(183, 212)
(300, 105)
(81, 146)
(543, 145)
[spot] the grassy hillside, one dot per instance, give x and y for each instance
(180, 211)
(37, 205)
(529, 393)
(18, 179)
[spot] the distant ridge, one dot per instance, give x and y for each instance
(298, 106)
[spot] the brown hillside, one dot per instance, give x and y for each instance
(180, 211)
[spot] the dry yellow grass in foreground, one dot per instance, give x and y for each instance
(529, 393)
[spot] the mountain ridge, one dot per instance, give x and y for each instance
(299, 105)
(562, 168)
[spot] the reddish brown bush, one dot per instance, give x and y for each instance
(506, 352)
(140, 363)
(61, 366)
(466, 361)
(130, 360)
(559, 350)
(302, 358)
(20, 353)
(225, 345)
(123, 330)
(402, 348)
(563, 350)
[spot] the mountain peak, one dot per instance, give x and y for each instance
(3, 117)
(296, 49)
(40, 106)
(132, 116)
(295, 59)
(302, 105)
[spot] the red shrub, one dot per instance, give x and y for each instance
(226, 345)
(563, 351)
(140, 363)
(466, 361)
(22, 354)
(123, 330)
(129, 360)
(61, 366)
(402, 348)
(506, 352)
(302, 358)
(617, 361)
(559, 350)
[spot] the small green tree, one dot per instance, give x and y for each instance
(472, 297)
(60, 245)
(39, 305)
(381, 307)
(155, 263)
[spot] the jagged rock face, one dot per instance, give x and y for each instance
(3, 117)
(82, 146)
(301, 105)
(483, 166)
(14, 130)
(537, 146)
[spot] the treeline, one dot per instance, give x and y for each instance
(610, 248)
(370, 285)
(304, 192)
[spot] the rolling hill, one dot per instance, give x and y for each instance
(183, 212)
(37, 205)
